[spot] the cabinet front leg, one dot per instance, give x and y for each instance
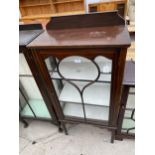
(25, 123)
(112, 136)
(60, 129)
(64, 127)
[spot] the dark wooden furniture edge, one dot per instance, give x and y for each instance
(99, 19)
(35, 26)
(27, 27)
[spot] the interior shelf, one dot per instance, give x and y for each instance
(38, 107)
(128, 113)
(103, 77)
(92, 112)
(95, 94)
(132, 90)
(78, 66)
(95, 112)
(130, 131)
(73, 109)
(81, 69)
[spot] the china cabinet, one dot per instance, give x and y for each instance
(33, 101)
(81, 60)
(126, 120)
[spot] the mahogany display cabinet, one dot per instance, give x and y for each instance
(126, 119)
(33, 100)
(81, 59)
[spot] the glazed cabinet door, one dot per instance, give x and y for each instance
(128, 125)
(80, 85)
(31, 101)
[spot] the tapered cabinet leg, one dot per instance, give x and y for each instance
(64, 127)
(25, 123)
(112, 136)
(60, 129)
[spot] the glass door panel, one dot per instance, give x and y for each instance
(97, 94)
(31, 101)
(73, 109)
(77, 68)
(129, 117)
(66, 91)
(25, 109)
(82, 85)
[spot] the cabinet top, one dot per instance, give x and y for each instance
(91, 30)
(26, 36)
(28, 32)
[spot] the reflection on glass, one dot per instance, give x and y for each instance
(76, 67)
(104, 64)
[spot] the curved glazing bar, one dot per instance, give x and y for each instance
(129, 123)
(77, 67)
(104, 64)
(78, 60)
(81, 69)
